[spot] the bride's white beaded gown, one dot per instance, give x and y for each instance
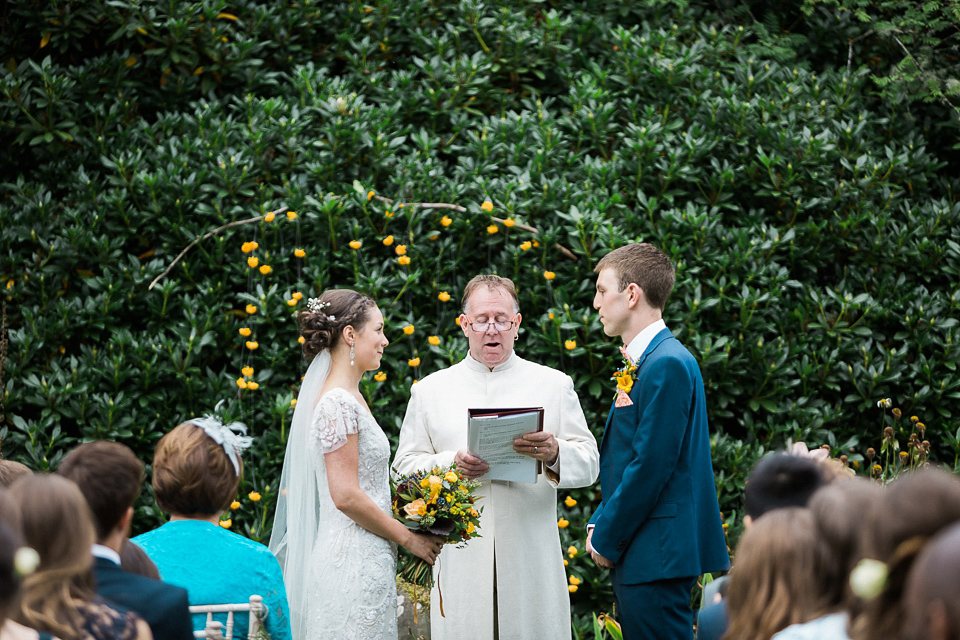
(351, 582)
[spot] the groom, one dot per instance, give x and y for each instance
(658, 525)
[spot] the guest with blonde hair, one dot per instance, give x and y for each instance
(196, 473)
(59, 596)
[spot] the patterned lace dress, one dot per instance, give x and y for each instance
(352, 592)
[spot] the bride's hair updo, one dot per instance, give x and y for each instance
(327, 315)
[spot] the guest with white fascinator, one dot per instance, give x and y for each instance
(333, 531)
(196, 472)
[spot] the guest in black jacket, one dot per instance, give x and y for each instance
(109, 476)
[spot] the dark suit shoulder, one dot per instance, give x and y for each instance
(164, 606)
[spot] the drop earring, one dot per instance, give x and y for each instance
(351, 354)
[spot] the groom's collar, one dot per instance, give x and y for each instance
(642, 340)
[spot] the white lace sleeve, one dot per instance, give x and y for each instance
(335, 418)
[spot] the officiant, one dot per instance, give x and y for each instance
(510, 582)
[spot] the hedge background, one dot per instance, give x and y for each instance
(812, 219)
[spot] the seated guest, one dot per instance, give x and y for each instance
(838, 511)
(932, 595)
(109, 476)
(135, 560)
(196, 472)
(777, 558)
(777, 481)
(58, 597)
(11, 470)
(911, 509)
(15, 561)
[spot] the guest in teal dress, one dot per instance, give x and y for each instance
(196, 471)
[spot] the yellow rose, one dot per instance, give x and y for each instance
(474, 512)
(300, 253)
(253, 261)
(487, 205)
(408, 330)
(493, 229)
(254, 496)
(434, 340)
(414, 362)
(570, 345)
(265, 269)
(247, 371)
(446, 221)
(388, 241)
(450, 476)
(234, 505)
(355, 244)
(380, 376)
(443, 296)
(525, 246)
(244, 331)
(415, 509)
(401, 249)
(549, 275)
(570, 502)
(251, 309)
(404, 260)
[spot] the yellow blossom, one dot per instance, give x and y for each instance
(408, 330)
(509, 222)
(457, 320)
(226, 523)
(574, 580)
(443, 296)
(450, 476)
(572, 551)
(549, 275)
(563, 523)
(300, 253)
(291, 215)
(404, 260)
(625, 382)
(242, 383)
(355, 244)
(266, 269)
(253, 386)
(251, 309)
(296, 295)
(470, 528)
(493, 229)
(249, 246)
(292, 302)
(474, 512)
(570, 502)
(380, 376)
(572, 588)
(252, 345)
(10, 283)
(388, 213)
(401, 249)
(247, 371)
(565, 563)
(293, 403)
(550, 315)
(244, 331)
(370, 194)
(570, 345)
(254, 496)
(414, 362)
(388, 241)
(234, 505)
(253, 261)
(525, 246)
(301, 339)
(434, 340)
(270, 216)
(487, 205)
(446, 221)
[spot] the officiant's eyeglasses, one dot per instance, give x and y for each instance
(483, 327)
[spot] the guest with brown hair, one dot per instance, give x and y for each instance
(109, 476)
(11, 470)
(932, 596)
(59, 597)
(196, 472)
(16, 560)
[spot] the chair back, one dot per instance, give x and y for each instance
(214, 630)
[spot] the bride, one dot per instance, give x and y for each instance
(333, 532)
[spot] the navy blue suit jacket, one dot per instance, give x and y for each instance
(164, 606)
(659, 517)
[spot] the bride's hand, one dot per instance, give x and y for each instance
(424, 546)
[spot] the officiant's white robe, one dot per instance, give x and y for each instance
(519, 521)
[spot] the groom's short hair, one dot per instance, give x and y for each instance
(781, 480)
(109, 475)
(644, 265)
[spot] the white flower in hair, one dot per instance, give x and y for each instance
(869, 578)
(223, 435)
(25, 561)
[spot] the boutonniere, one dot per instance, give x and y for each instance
(624, 377)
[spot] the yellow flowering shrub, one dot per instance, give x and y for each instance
(487, 206)
(408, 330)
(245, 331)
(434, 340)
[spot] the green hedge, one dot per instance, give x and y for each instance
(813, 224)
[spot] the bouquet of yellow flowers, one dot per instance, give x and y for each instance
(438, 501)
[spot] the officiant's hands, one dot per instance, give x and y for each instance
(423, 545)
(540, 445)
(470, 466)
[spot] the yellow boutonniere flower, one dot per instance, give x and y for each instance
(624, 382)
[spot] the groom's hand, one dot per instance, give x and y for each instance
(469, 465)
(599, 559)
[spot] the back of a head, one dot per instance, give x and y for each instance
(109, 476)
(780, 480)
(770, 586)
(10, 543)
(192, 474)
(11, 470)
(911, 510)
(135, 560)
(932, 595)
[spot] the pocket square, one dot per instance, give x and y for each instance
(623, 400)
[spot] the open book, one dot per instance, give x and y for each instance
(490, 435)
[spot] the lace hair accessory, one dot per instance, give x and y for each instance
(223, 435)
(25, 561)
